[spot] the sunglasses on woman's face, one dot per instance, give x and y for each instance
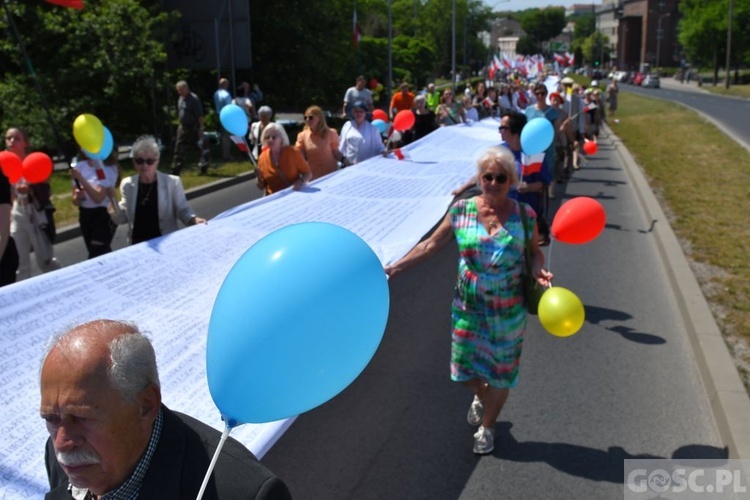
(499, 178)
(308, 118)
(147, 161)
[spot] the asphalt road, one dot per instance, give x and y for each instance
(730, 113)
(625, 386)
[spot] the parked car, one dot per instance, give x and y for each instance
(638, 78)
(651, 81)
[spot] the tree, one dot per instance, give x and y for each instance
(107, 60)
(542, 25)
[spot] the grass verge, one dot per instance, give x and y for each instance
(62, 186)
(703, 181)
(735, 90)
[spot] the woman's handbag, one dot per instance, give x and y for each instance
(532, 290)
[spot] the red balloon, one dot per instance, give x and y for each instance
(37, 167)
(579, 220)
(590, 147)
(404, 120)
(373, 83)
(379, 114)
(11, 165)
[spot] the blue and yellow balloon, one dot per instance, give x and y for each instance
(297, 319)
(561, 312)
(88, 132)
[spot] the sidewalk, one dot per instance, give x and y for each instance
(672, 84)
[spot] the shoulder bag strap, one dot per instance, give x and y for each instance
(278, 170)
(526, 249)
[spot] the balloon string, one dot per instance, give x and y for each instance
(224, 436)
(249, 153)
(549, 256)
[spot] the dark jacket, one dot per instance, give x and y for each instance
(180, 462)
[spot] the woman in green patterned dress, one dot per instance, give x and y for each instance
(489, 315)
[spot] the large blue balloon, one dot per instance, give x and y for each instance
(537, 136)
(234, 119)
(296, 320)
(106, 148)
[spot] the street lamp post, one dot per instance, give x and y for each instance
(453, 48)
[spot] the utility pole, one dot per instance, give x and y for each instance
(729, 43)
(453, 48)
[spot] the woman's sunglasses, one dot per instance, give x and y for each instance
(499, 178)
(147, 161)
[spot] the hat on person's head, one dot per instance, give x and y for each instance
(588, 91)
(555, 95)
(594, 83)
(567, 81)
(360, 105)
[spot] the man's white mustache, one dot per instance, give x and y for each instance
(77, 457)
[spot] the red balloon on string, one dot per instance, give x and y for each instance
(590, 147)
(11, 165)
(373, 83)
(579, 220)
(37, 167)
(404, 120)
(379, 114)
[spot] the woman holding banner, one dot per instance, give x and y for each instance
(280, 165)
(319, 144)
(489, 315)
(152, 202)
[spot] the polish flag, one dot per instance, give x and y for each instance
(531, 164)
(356, 35)
(401, 154)
(240, 142)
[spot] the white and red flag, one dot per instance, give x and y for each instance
(240, 142)
(356, 35)
(531, 164)
(401, 154)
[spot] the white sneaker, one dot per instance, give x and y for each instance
(484, 441)
(476, 412)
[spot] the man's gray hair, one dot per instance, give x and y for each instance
(132, 360)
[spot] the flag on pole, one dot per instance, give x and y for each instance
(73, 4)
(240, 142)
(531, 164)
(356, 35)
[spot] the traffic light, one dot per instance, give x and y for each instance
(596, 63)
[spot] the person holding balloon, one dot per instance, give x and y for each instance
(401, 101)
(152, 202)
(318, 143)
(360, 139)
(31, 219)
(280, 165)
(92, 181)
(488, 311)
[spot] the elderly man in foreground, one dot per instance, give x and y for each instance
(110, 436)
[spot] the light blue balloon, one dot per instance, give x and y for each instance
(537, 136)
(296, 320)
(380, 125)
(234, 119)
(106, 148)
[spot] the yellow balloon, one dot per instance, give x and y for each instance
(561, 312)
(89, 132)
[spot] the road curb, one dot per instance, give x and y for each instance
(727, 395)
(72, 231)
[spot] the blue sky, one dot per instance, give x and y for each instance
(528, 4)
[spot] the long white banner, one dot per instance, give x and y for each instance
(167, 286)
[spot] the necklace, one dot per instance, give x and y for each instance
(144, 200)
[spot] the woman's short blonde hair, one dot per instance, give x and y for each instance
(498, 155)
(275, 127)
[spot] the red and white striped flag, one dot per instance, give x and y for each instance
(356, 35)
(531, 164)
(240, 142)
